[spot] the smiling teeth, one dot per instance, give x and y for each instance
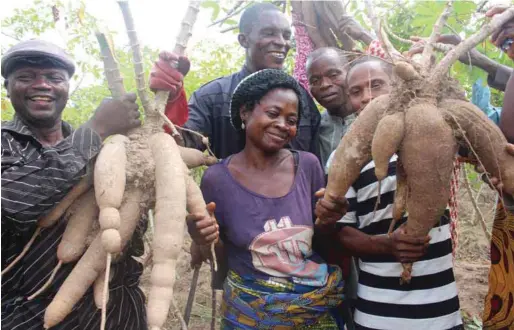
(41, 98)
(279, 55)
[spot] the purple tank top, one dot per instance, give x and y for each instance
(269, 237)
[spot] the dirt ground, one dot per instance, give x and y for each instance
(471, 266)
(472, 254)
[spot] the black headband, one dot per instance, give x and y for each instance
(258, 84)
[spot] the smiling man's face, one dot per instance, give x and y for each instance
(269, 41)
(38, 95)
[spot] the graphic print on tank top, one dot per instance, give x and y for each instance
(283, 249)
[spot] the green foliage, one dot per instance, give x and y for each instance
(79, 39)
(471, 322)
(210, 60)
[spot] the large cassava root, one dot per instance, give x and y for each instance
(131, 174)
(81, 215)
(423, 120)
(92, 263)
(352, 154)
(170, 212)
(110, 180)
(55, 214)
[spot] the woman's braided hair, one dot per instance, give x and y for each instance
(253, 88)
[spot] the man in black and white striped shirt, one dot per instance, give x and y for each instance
(42, 159)
(430, 300)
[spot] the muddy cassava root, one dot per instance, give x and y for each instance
(54, 215)
(170, 212)
(148, 158)
(81, 215)
(429, 124)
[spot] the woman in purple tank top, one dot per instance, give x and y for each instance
(264, 206)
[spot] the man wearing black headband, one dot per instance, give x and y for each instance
(43, 157)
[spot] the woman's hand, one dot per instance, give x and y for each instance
(330, 211)
(407, 248)
(203, 228)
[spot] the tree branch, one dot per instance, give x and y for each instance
(186, 30)
(475, 205)
(428, 51)
(111, 69)
(137, 56)
(10, 36)
(232, 12)
(78, 86)
(444, 65)
(375, 24)
(473, 57)
(387, 45)
(230, 28)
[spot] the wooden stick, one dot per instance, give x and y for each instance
(473, 216)
(191, 296)
(183, 324)
(213, 299)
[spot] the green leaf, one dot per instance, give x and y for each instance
(214, 5)
(231, 22)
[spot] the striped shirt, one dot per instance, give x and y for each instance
(430, 301)
(34, 180)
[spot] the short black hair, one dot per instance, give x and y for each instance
(251, 15)
(315, 54)
(253, 88)
(386, 66)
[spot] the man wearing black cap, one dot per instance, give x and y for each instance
(43, 157)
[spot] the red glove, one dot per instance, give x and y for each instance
(164, 76)
(177, 110)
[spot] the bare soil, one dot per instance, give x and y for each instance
(472, 255)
